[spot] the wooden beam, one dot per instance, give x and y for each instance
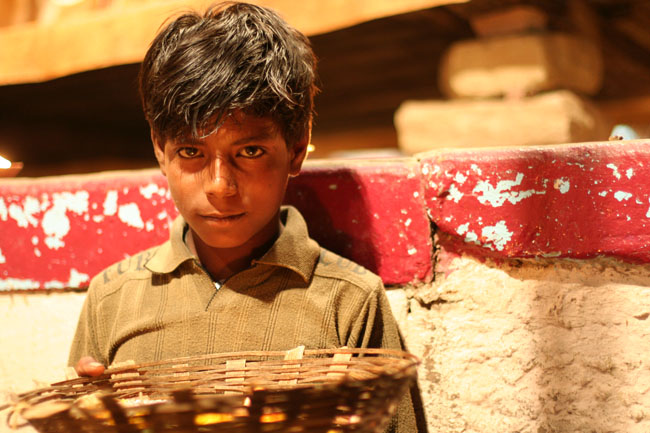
(117, 35)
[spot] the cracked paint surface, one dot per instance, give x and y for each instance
(59, 232)
(576, 200)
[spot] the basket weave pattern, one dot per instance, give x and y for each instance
(329, 391)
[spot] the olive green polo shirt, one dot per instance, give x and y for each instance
(162, 304)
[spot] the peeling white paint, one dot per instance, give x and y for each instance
(149, 226)
(637, 201)
(412, 251)
(77, 278)
(37, 252)
(622, 195)
(496, 196)
(425, 169)
(149, 190)
(629, 173)
(476, 169)
(16, 213)
(462, 229)
(3, 259)
(18, 284)
(407, 222)
(602, 193)
(55, 225)
(472, 238)
(55, 222)
(110, 203)
(129, 214)
(53, 285)
(34, 240)
(497, 234)
(98, 218)
(3, 210)
(454, 194)
(403, 211)
(416, 194)
(562, 184)
(24, 215)
(614, 169)
(460, 178)
(31, 206)
(447, 219)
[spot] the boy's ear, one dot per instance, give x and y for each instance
(299, 153)
(159, 151)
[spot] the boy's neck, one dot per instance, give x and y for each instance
(222, 263)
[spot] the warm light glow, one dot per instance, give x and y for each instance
(66, 2)
(310, 148)
(4, 163)
(212, 418)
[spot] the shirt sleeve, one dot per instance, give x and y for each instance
(85, 342)
(375, 327)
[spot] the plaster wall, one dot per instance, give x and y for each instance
(534, 346)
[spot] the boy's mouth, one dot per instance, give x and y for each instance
(223, 217)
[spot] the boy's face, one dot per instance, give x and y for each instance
(229, 185)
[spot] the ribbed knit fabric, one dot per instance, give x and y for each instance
(161, 304)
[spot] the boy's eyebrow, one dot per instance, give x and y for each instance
(257, 136)
(261, 133)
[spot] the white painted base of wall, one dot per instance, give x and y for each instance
(35, 335)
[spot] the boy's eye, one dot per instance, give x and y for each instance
(188, 152)
(251, 152)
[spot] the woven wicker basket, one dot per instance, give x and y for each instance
(333, 391)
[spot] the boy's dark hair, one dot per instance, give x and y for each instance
(236, 56)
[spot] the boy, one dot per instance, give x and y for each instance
(229, 99)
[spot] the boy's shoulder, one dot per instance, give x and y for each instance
(131, 268)
(334, 266)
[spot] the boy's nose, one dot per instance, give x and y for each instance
(220, 180)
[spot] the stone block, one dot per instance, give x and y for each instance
(521, 65)
(515, 19)
(551, 118)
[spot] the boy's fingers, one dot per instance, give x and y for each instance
(88, 366)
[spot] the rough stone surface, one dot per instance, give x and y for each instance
(551, 118)
(534, 347)
(520, 65)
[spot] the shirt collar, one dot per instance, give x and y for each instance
(172, 253)
(293, 249)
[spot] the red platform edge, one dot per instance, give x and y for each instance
(575, 201)
(58, 232)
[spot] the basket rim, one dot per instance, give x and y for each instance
(122, 368)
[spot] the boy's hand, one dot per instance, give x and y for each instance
(89, 367)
